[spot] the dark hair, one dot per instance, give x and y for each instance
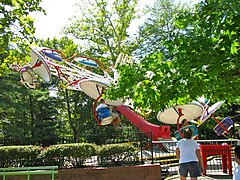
(183, 121)
(237, 151)
(102, 101)
(187, 133)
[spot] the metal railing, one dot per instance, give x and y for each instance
(164, 153)
(13, 171)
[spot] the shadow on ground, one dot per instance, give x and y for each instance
(209, 177)
(220, 176)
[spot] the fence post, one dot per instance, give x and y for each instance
(52, 175)
(151, 145)
(141, 147)
(4, 176)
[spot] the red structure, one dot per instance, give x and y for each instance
(145, 126)
(223, 150)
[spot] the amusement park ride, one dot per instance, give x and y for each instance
(46, 62)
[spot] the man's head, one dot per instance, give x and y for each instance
(187, 133)
(102, 101)
(184, 123)
(237, 154)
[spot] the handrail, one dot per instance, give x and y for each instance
(28, 171)
(27, 168)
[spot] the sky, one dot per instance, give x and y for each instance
(58, 14)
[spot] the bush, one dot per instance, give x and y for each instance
(72, 155)
(19, 155)
(118, 154)
(67, 155)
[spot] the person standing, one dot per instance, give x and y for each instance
(236, 172)
(190, 159)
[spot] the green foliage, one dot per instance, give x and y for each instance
(19, 155)
(83, 150)
(103, 26)
(65, 155)
(207, 50)
(116, 154)
(200, 58)
(26, 116)
(152, 84)
(16, 30)
(159, 27)
(13, 106)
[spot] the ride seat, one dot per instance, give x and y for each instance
(227, 123)
(194, 133)
(104, 116)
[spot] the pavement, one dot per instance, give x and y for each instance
(214, 176)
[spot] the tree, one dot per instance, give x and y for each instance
(208, 49)
(27, 117)
(159, 27)
(13, 111)
(103, 26)
(31, 116)
(16, 30)
(205, 61)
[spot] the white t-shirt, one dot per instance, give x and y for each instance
(236, 173)
(187, 149)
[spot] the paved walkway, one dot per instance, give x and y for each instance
(214, 176)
